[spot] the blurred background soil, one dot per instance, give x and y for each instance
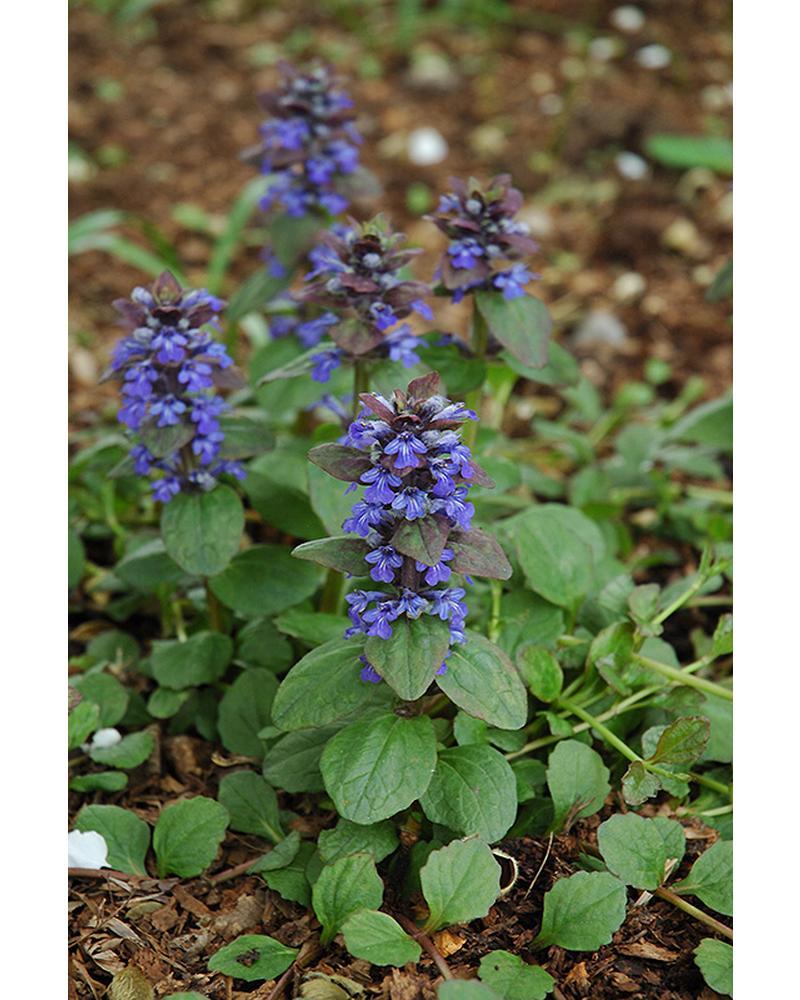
(560, 93)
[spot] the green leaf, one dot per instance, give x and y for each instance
(465, 989)
(709, 424)
(290, 881)
(202, 531)
(253, 957)
(482, 681)
(114, 647)
(282, 504)
(107, 693)
(263, 580)
(260, 644)
(187, 836)
(639, 785)
(126, 835)
(711, 878)
(244, 438)
(541, 671)
(522, 325)
(513, 979)
(374, 768)
(378, 839)
(76, 559)
(148, 567)
(344, 886)
(163, 703)
(282, 855)
(244, 711)
(561, 369)
(637, 849)
(719, 712)
(329, 499)
(578, 781)
(100, 781)
(293, 762)
(342, 552)
(409, 659)
(715, 960)
(582, 912)
(722, 642)
(323, 687)
(558, 548)
(378, 938)
(685, 151)
(473, 791)
(312, 627)
(252, 294)
(252, 805)
(200, 659)
(186, 996)
(460, 883)
(224, 247)
(83, 720)
(610, 654)
(682, 742)
(131, 751)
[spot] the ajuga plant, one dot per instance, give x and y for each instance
(171, 369)
(357, 276)
(483, 259)
(309, 144)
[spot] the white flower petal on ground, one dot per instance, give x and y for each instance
(87, 850)
(631, 166)
(427, 146)
(654, 57)
(627, 18)
(105, 738)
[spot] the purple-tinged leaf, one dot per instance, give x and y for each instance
(480, 477)
(423, 539)
(342, 553)
(477, 553)
(340, 461)
(354, 337)
(378, 405)
(425, 386)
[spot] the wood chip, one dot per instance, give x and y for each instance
(644, 949)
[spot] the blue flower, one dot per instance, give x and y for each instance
(511, 282)
(195, 376)
(168, 409)
(382, 484)
(385, 561)
(142, 459)
(368, 672)
(412, 502)
(170, 344)
(456, 507)
(311, 332)
(421, 307)
(447, 604)
(402, 346)
(207, 447)
(465, 253)
(364, 517)
(440, 572)
(379, 617)
(165, 489)
(325, 363)
(407, 449)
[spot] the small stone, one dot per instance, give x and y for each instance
(426, 146)
(551, 104)
(431, 70)
(488, 140)
(627, 18)
(541, 82)
(600, 327)
(604, 49)
(654, 57)
(628, 287)
(632, 166)
(683, 236)
(538, 220)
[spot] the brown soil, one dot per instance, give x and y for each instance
(169, 928)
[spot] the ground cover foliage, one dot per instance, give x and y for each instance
(451, 733)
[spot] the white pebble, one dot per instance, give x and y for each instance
(551, 104)
(426, 146)
(654, 57)
(628, 287)
(627, 18)
(631, 166)
(603, 49)
(600, 326)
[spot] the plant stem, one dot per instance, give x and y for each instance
(214, 610)
(493, 631)
(331, 600)
(693, 911)
(360, 383)
(474, 399)
(682, 677)
(427, 944)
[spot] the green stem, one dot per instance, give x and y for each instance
(493, 630)
(180, 626)
(215, 619)
(474, 398)
(714, 786)
(682, 677)
(331, 600)
(360, 383)
(700, 581)
(693, 911)
(724, 497)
